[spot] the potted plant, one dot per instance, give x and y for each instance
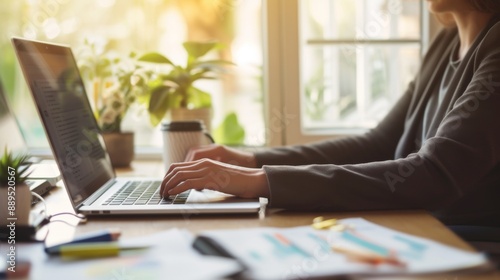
(174, 90)
(115, 83)
(15, 194)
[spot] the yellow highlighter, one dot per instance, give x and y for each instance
(89, 250)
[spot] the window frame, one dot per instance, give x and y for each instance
(284, 86)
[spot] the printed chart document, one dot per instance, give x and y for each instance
(169, 255)
(303, 252)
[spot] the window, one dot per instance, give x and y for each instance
(344, 62)
(306, 69)
(126, 26)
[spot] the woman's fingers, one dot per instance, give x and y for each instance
(181, 176)
(175, 167)
(178, 172)
(214, 175)
(201, 174)
(183, 186)
(209, 151)
(222, 154)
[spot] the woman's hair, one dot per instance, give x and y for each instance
(486, 6)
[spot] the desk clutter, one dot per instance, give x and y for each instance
(350, 247)
(332, 247)
(102, 256)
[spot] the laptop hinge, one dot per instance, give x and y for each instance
(91, 199)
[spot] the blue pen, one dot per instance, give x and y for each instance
(99, 236)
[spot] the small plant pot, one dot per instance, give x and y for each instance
(15, 205)
(120, 146)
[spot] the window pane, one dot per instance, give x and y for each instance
(127, 26)
(357, 58)
(354, 87)
(361, 19)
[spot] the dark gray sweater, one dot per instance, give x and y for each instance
(455, 172)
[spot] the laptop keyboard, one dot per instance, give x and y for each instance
(144, 193)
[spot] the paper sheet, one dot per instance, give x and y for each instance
(301, 252)
(171, 256)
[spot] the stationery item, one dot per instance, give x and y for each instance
(98, 236)
(361, 248)
(90, 250)
(92, 244)
(166, 255)
(321, 223)
(331, 224)
(179, 137)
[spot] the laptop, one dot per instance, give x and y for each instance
(55, 83)
(43, 175)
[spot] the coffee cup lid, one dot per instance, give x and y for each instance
(182, 126)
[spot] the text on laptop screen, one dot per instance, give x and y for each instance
(56, 85)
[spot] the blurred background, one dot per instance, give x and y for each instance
(354, 59)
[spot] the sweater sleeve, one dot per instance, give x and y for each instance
(448, 166)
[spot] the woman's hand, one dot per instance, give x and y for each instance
(222, 154)
(214, 175)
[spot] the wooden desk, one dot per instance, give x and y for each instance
(418, 223)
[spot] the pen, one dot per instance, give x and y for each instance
(99, 236)
(89, 250)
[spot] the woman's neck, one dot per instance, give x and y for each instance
(469, 24)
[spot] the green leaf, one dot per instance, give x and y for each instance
(199, 49)
(198, 98)
(230, 131)
(203, 74)
(209, 65)
(143, 98)
(159, 104)
(212, 63)
(19, 163)
(155, 57)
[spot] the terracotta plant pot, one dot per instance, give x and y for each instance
(21, 204)
(120, 146)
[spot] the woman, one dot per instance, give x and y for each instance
(437, 149)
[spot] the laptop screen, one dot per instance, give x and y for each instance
(57, 89)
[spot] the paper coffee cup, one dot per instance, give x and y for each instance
(179, 137)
